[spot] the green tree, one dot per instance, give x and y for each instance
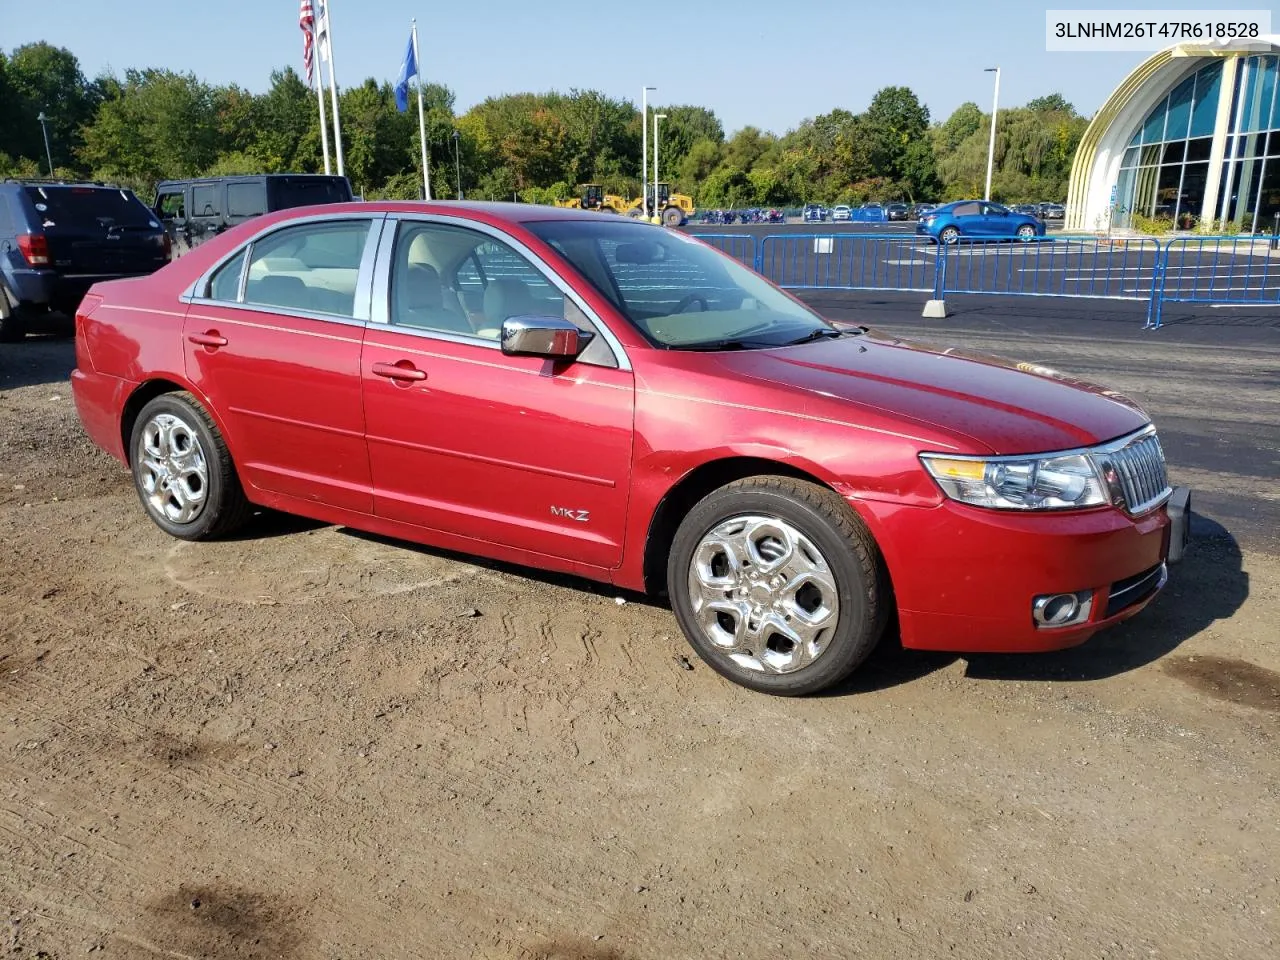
(40, 77)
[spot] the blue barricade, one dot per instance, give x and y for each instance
(1234, 270)
(740, 246)
(848, 261)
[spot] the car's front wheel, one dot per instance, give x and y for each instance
(777, 585)
(1026, 232)
(183, 471)
(949, 235)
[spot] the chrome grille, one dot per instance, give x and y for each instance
(1135, 471)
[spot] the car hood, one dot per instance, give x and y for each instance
(1002, 406)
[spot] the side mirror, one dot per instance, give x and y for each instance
(542, 337)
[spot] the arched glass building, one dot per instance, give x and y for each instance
(1192, 135)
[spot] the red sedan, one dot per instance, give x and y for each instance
(620, 401)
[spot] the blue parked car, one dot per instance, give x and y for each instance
(978, 220)
(814, 213)
(58, 239)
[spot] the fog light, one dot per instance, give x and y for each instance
(1062, 609)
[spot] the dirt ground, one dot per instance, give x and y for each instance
(311, 743)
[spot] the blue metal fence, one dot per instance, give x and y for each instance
(848, 261)
(1235, 270)
(1227, 270)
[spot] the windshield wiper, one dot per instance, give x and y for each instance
(818, 333)
(712, 345)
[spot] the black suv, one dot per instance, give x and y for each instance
(57, 239)
(192, 211)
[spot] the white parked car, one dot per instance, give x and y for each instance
(841, 213)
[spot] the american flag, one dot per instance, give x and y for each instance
(307, 21)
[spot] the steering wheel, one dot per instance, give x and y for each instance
(689, 301)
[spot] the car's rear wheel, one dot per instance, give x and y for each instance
(13, 324)
(1026, 232)
(183, 471)
(949, 235)
(778, 585)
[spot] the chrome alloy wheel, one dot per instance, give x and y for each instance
(174, 474)
(763, 594)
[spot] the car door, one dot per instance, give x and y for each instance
(996, 220)
(520, 451)
(273, 338)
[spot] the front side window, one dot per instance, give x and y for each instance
(312, 268)
(453, 280)
(678, 291)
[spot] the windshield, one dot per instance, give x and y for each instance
(99, 207)
(679, 292)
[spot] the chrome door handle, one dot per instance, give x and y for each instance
(395, 371)
(210, 338)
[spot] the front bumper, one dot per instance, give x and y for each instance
(965, 578)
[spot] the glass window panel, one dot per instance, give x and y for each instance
(1259, 88)
(1120, 216)
(1269, 198)
(1137, 138)
(1174, 150)
(1179, 110)
(1273, 144)
(1199, 148)
(1144, 193)
(1167, 190)
(1131, 157)
(1194, 178)
(1153, 129)
(1205, 108)
(1150, 154)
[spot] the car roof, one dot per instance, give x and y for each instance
(251, 176)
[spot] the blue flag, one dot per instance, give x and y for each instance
(407, 69)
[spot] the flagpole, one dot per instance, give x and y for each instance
(422, 123)
(318, 77)
(333, 91)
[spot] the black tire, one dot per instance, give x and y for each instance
(851, 554)
(949, 235)
(225, 507)
(672, 217)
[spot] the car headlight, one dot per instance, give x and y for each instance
(1019, 483)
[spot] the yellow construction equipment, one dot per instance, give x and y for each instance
(673, 210)
(591, 196)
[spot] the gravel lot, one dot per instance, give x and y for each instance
(312, 743)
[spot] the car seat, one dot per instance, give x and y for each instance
(419, 301)
(279, 291)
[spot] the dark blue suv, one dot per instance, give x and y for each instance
(58, 239)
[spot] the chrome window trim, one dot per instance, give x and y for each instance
(273, 311)
(380, 308)
(192, 295)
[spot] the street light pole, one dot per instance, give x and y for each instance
(47, 152)
(457, 160)
(644, 146)
(991, 148)
(657, 216)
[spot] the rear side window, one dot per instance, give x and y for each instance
(225, 284)
(204, 201)
(246, 199)
(289, 192)
(88, 206)
(313, 268)
(964, 210)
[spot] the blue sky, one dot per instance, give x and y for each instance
(767, 63)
